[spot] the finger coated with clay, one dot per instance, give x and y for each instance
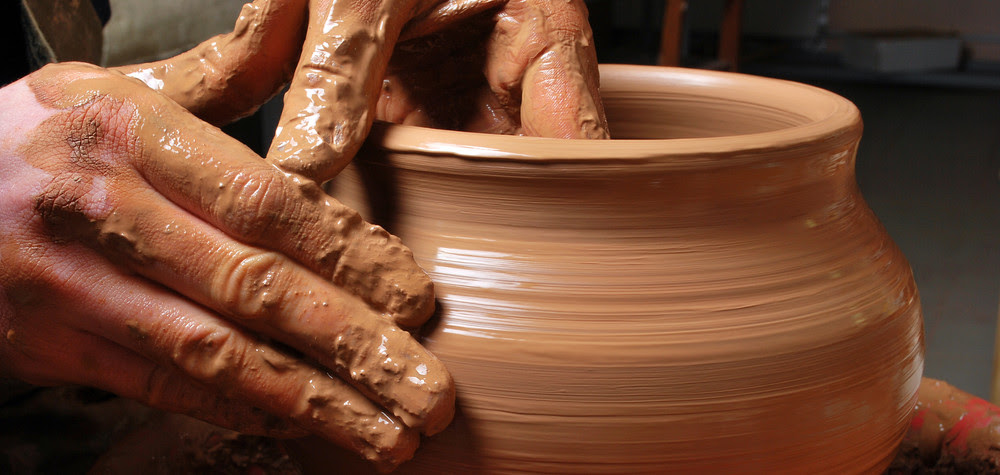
(104, 199)
(48, 354)
(263, 290)
(230, 75)
(275, 296)
(195, 345)
(333, 92)
(224, 183)
(179, 335)
(222, 357)
(256, 203)
(548, 73)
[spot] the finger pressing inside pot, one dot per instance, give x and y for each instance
(548, 72)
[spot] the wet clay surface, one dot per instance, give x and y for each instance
(262, 290)
(720, 301)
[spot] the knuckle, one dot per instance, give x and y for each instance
(59, 202)
(30, 277)
(353, 41)
(99, 133)
(249, 17)
(69, 205)
(390, 281)
(97, 115)
(341, 226)
(156, 386)
(250, 285)
(91, 146)
(210, 355)
(254, 202)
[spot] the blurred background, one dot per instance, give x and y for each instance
(925, 74)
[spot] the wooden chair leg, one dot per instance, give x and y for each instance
(995, 385)
(729, 34)
(673, 31)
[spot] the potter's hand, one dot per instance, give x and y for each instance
(532, 53)
(523, 67)
(506, 66)
(144, 252)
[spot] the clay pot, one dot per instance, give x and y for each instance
(708, 292)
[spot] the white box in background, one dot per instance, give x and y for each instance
(897, 52)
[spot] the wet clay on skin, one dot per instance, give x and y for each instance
(539, 59)
(230, 75)
(326, 112)
(526, 68)
(208, 174)
(561, 75)
(338, 82)
(339, 78)
(716, 297)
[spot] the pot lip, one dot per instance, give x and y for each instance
(830, 121)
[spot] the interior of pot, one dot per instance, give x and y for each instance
(659, 112)
(684, 105)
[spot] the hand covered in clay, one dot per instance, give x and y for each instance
(504, 66)
(146, 253)
(524, 67)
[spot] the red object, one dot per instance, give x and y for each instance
(951, 426)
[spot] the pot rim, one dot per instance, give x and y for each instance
(829, 120)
